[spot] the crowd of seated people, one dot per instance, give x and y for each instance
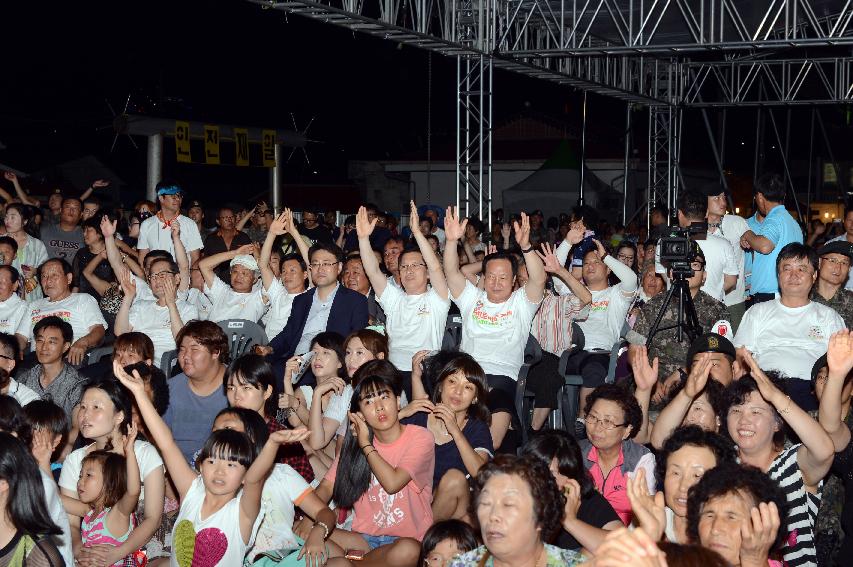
(379, 418)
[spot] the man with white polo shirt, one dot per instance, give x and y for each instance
(731, 227)
(240, 300)
(155, 233)
(790, 332)
(80, 310)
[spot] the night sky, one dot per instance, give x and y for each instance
(231, 62)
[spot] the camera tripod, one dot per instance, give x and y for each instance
(687, 321)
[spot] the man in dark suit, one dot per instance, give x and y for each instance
(329, 306)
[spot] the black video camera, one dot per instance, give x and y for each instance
(678, 250)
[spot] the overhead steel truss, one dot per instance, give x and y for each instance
(665, 54)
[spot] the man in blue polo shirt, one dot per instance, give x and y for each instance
(777, 230)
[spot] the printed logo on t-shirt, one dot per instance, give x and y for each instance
(484, 318)
(599, 305)
(423, 310)
(387, 514)
(38, 315)
(815, 332)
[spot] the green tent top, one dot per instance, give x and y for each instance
(564, 157)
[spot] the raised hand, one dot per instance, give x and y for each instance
(575, 234)
(766, 388)
(130, 437)
(108, 227)
(549, 258)
(414, 218)
(522, 231)
(447, 417)
(170, 291)
(99, 183)
(10, 175)
(363, 226)
(359, 428)
(645, 374)
(278, 226)
(491, 249)
(599, 249)
(698, 376)
(572, 493)
(284, 436)
(132, 382)
(758, 533)
(128, 284)
(454, 229)
(506, 230)
(248, 249)
(649, 511)
(176, 230)
(335, 384)
(839, 356)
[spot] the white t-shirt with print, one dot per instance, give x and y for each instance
(607, 312)
(228, 304)
(154, 235)
(284, 489)
(153, 320)
(147, 458)
(12, 312)
(80, 310)
(495, 334)
(412, 323)
(279, 305)
(201, 302)
(788, 339)
(732, 228)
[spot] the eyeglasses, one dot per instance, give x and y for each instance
(324, 265)
(161, 275)
(624, 257)
(838, 261)
(412, 267)
(605, 424)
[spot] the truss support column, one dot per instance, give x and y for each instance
(474, 136)
(663, 174)
(155, 165)
(276, 177)
(625, 165)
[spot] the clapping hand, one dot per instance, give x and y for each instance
(648, 510)
(645, 374)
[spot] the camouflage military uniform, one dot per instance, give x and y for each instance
(665, 344)
(842, 302)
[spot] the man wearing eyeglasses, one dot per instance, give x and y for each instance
(155, 233)
(328, 306)
(311, 228)
(790, 332)
(665, 344)
(161, 319)
(835, 259)
(848, 238)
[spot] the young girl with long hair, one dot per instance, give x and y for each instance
(220, 503)
(25, 525)
(103, 417)
(108, 491)
(458, 418)
(384, 473)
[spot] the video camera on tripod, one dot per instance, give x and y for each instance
(678, 250)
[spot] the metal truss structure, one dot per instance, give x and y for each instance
(668, 55)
